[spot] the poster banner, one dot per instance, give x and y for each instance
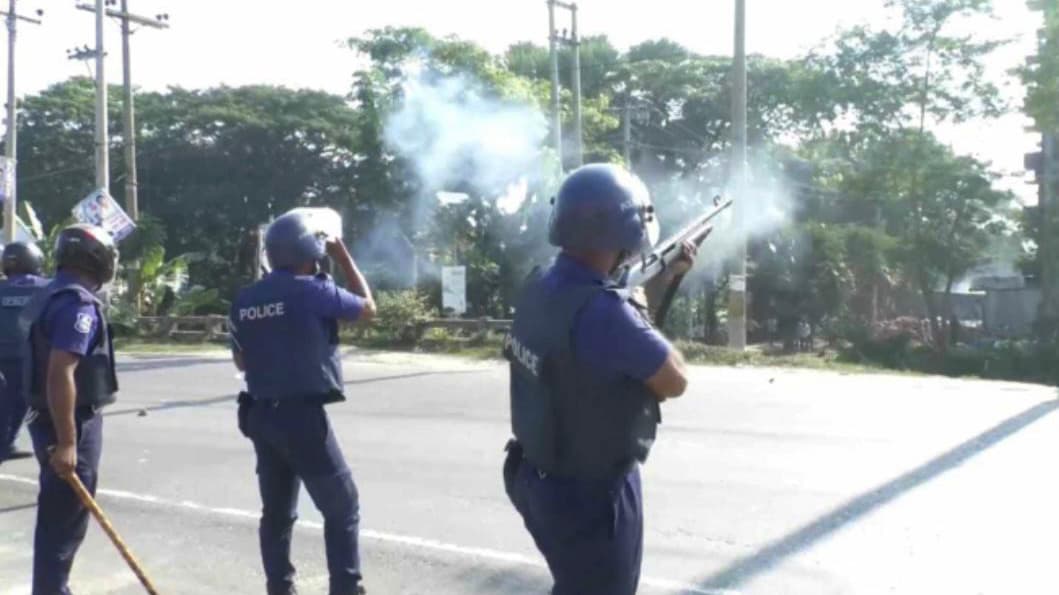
(99, 208)
(454, 289)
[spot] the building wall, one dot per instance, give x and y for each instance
(1012, 313)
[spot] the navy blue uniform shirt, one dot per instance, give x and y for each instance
(610, 335)
(321, 297)
(69, 324)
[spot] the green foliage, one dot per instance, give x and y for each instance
(883, 209)
(1042, 76)
(1026, 360)
(395, 321)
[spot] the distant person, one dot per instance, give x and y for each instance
(588, 373)
(70, 377)
(285, 338)
(805, 333)
(22, 264)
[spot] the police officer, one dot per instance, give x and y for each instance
(69, 376)
(588, 372)
(285, 338)
(22, 263)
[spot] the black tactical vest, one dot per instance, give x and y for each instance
(95, 377)
(289, 351)
(569, 421)
(13, 298)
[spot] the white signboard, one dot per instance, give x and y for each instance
(7, 178)
(99, 208)
(737, 282)
(454, 289)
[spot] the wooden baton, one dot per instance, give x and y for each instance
(90, 503)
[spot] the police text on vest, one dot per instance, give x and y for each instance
(529, 360)
(264, 311)
(15, 301)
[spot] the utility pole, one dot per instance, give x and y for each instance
(1048, 247)
(626, 132)
(574, 42)
(126, 18)
(11, 140)
(102, 121)
(737, 294)
(553, 50)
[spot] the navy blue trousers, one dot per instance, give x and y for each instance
(589, 531)
(12, 405)
(61, 520)
(295, 444)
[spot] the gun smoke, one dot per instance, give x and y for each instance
(459, 139)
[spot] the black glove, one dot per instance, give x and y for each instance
(511, 465)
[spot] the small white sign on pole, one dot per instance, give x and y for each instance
(737, 282)
(454, 289)
(7, 178)
(100, 209)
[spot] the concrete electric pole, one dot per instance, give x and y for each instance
(11, 140)
(553, 53)
(737, 292)
(574, 42)
(127, 19)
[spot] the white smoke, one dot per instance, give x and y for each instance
(457, 135)
(768, 205)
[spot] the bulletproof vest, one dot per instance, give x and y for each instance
(13, 298)
(570, 421)
(95, 377)
(288, 351)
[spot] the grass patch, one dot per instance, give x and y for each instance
(477, 348)
(698, 353)
(139, 346)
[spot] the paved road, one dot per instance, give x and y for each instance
(762, 482)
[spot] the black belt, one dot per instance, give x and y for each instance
(324, 399)
(80, 412)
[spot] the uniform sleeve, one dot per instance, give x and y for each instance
(612, 336)
(328, 300)
(73, 327)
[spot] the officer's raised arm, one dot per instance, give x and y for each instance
(355, 280)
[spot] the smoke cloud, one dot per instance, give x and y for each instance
(457, 135)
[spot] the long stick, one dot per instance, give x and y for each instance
(90, 503)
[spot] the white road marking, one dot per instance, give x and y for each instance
(96, 586)
(407, 540)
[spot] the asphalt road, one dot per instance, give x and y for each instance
(762, 482)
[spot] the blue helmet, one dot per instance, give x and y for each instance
(22, 258)
(291, 241)
(602, 207)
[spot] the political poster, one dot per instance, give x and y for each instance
(100, 208)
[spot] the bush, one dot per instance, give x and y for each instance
(395, 322)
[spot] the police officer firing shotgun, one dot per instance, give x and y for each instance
(588, 372)
(69, 376)
(285, 338)
(23, 263)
